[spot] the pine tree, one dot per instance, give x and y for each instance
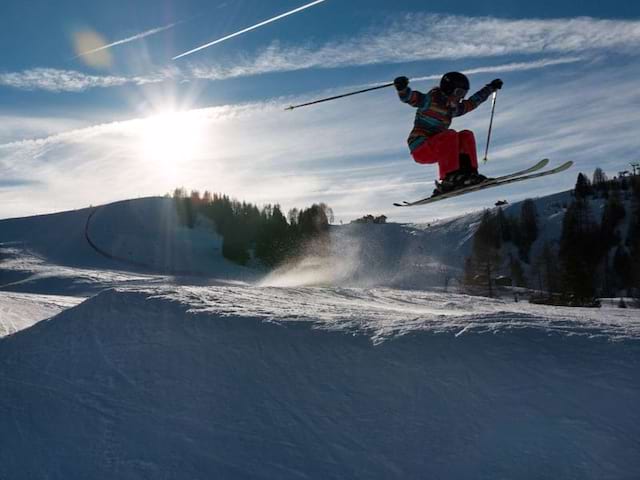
(623, 268)
(633, 245)
(274, 240)
(635, 186)
(235, 246)
(293, 216)
(504, 226)
(469, 273)
(195, 198)
(613, 213)
(529, 224)
(180, 193)
(579, 251)
(185, 208)
(599, 179)
(313, 220)
(485, 259)
(547, 266)
(517, 273)
(583, 186)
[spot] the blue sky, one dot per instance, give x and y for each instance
(129, 121)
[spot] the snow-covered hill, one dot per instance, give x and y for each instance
(136, 373)
(87, 250)
(239, 382)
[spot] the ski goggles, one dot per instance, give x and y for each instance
(460, 92)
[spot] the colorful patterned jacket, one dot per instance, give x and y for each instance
(435, 113)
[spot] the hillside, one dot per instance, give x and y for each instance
(90, 249)
(115, 365)
(145, 238)
(139, 239)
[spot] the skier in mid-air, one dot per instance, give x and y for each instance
(432, 141)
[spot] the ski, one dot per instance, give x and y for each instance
(522, 175)
(541, 164)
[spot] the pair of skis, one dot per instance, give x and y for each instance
(519, 176)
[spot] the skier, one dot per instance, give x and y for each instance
(432, 141)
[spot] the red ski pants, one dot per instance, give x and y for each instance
(445, 149)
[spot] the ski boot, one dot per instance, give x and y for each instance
(457, 180)
(467, 175)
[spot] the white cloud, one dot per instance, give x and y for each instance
(432, 37)
(24, 126)
(350, 154)
(54, 80)
(421, 37)
(513, 67)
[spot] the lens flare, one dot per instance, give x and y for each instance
(91, 41)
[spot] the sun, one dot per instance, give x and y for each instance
(170, 139)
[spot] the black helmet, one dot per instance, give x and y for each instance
(452, 80)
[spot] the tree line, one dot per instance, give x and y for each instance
(594, 257)
(250, 232)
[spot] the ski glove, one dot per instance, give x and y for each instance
(401, 83)
(496, 84)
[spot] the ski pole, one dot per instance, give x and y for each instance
(339, 96)
(493, 110)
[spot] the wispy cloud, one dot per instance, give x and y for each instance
(329, 156)
(16, 183)
(248, 29)
(425, 37)
(513, 67)
(56, 80)
(435, 37)
(509, 67)
(30, 126)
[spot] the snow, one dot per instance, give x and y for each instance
(161, 359)
(19, 311)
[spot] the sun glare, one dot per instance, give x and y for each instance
(171, 139)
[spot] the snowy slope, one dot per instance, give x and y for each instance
(239, 382)
(144, 237)
(87, 250)
(21, 310)
(142, 374)
(136, 239)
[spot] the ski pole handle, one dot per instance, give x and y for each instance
(493, 110)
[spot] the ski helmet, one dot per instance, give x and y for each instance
(452, 81)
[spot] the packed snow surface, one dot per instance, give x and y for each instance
(19, 310)
(155, 358)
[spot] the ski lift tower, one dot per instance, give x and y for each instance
(636, 168)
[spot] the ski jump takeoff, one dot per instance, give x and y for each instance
(432, 141)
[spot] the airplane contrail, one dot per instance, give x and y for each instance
(299, 9)
(129, 39)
